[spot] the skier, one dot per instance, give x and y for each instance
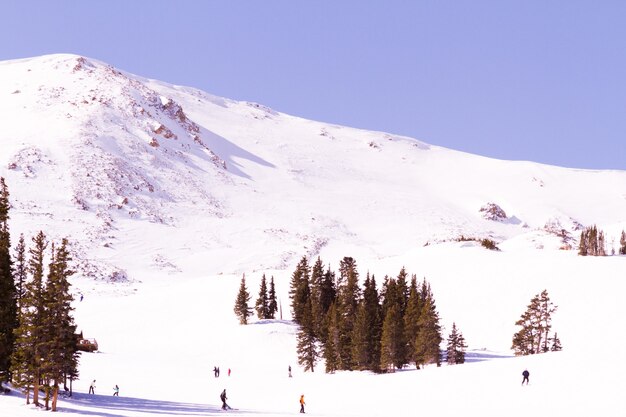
(525, 374)
(223, 398)
(289, 371)
(116, 391)
(302, 403)
(228, 371)
(92, 387)
(215, 371)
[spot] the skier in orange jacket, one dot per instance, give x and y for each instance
(302, 403)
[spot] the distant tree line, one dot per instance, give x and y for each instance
(593, 242)
(38, 343)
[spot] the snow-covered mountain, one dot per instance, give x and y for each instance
(170, 194)
(127, 167)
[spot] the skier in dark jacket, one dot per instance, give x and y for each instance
(525, 374)
(223, 398)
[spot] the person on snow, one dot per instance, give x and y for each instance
(302, 403)
(116, 391)
(289, 371)
(223, 398)
(525, 374)
(215, 371)
(92, 387)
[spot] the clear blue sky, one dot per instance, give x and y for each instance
(523, 80)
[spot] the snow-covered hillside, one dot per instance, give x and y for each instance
(130, 168)
(170, 194)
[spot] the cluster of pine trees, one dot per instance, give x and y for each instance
(38, 345)
(355, 328)
(593, 243)
(266, 305)
(536, 323)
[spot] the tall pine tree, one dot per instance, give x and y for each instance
(61, 353)
(242, 309)
(262, 301)
(272, 304)
(428, 340)
(299, 290)
(348, 299)
(30, 349)
(8, 296)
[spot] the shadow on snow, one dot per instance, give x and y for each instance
(100, 404)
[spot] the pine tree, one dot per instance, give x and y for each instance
(429, 337)
(390, 343)
(412, 316)
(328, 296)
(306, 341)
(556, 344)
(535, 323)
(330, 346)
(367, 329)
(317, 274)
(272, 305)
(20, 270)
(61, 354)
(347, 304)
(583, 249)
(8, 296)
(30, 347)
(455, 351)
(242, 310)
(393, 347)
(262, 302)
(622, 243)
(299, 291)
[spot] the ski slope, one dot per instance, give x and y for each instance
(160, 339)
(163, 233)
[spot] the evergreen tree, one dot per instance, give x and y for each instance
(242, 310)
(455, 351)
(262, 302)
(317, 274)
(61, 354)
(412, 316)
(622, 243)
(429, 337)
(20, 272)
(299, 291)
(583, 249)
(30, 348)
(347, 304)
(272, 305)
(393, 343)
(328, 296)
(367, 330)
(306, 341)
(535, 323)
(330, 346)
(556, 344)
(8, 296)
(390, 344)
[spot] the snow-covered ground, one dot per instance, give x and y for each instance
(159, 341)
(175, 194)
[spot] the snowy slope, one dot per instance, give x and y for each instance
(113, 158)
(170, 194)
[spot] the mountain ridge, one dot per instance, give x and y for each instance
(128, 165)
